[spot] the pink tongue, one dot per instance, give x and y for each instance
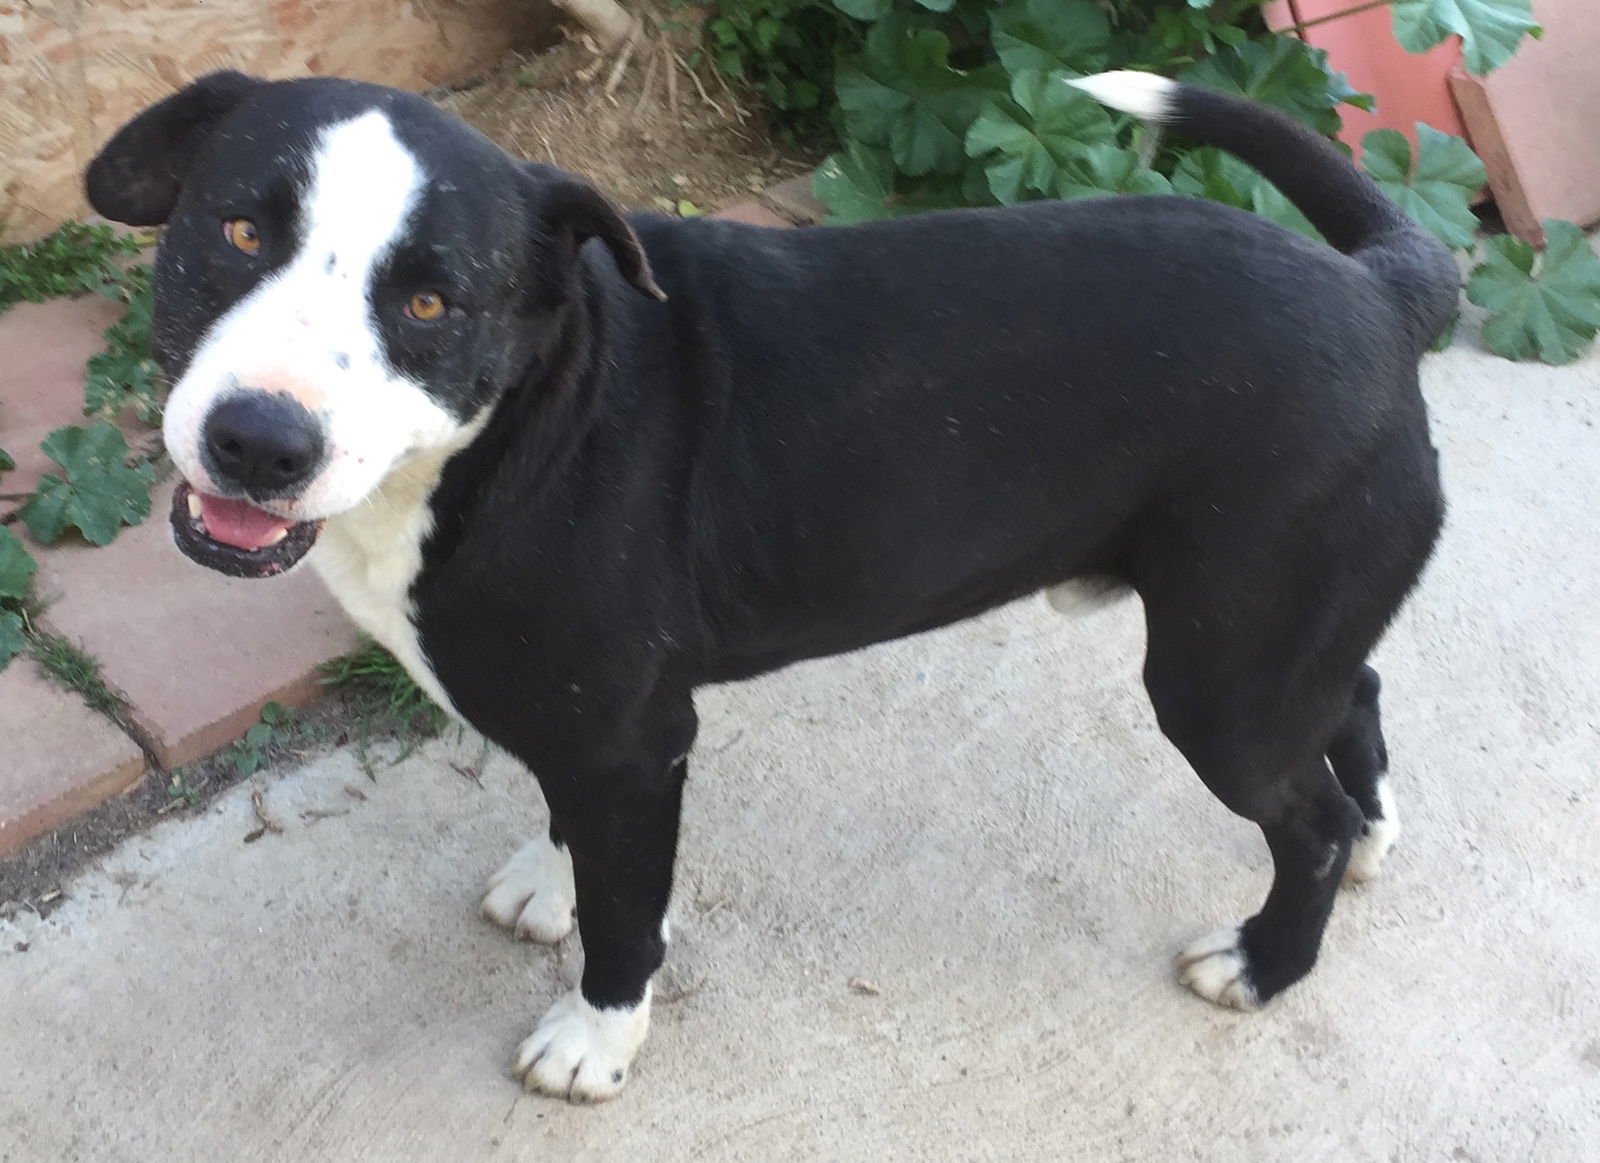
(239, 523)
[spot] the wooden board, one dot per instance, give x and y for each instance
(73, 71)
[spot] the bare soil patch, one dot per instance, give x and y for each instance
(647, 142)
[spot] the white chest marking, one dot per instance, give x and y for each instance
(370, 556)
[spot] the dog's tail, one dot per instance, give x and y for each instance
(1342, 202)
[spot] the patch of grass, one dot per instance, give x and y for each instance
(382, 693)
(71, 667)
(73, 261)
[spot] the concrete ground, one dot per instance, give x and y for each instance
(985, 825)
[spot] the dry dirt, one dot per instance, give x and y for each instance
(648, 143)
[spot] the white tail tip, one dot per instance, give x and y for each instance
(1144, 95)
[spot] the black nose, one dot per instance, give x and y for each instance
(266, 444)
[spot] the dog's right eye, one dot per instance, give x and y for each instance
(242, 235)
(425, 306)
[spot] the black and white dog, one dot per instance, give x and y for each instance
(570, 465)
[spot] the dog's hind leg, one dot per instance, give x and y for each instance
(1268, 768)
(1361, 762)
(1251, 678)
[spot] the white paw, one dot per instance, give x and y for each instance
(580, 1053)
(533, 894)
(1377, 837)
(1214, 967)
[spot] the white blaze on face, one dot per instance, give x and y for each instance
(308, 329)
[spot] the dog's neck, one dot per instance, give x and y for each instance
(370, 556)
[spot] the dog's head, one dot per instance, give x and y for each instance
(349, 279)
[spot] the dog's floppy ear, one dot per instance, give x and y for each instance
(571, 211)
(136, 177)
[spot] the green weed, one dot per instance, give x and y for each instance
(383, 693)
(76, 670)
(73, 261)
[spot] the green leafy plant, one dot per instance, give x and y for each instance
(1435, 187)
(125, 373)
(1049, 139)
(962, 102)
(1545, 307)
(1221, 177)
(782, 49)
(16, 575)
(99, 491)
(74, 260)
(179, 788)
(1490, 30)
(1283, 72)
(277, 725)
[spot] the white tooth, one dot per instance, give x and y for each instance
(194, 505)
(278, 536)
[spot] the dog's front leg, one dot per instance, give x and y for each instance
(619, 823)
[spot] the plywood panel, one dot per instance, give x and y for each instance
(73, 70)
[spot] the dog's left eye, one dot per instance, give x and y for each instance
(425, 306)
(242, 235)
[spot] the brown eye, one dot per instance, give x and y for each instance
(425, 306)
(241, 235)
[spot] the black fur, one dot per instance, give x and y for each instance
(828, 438)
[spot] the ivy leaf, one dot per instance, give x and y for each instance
(6, 463)
(1221, 177)
(1026, 142)
(855, 185)
(1437, 190)
(903, 94)
(1552, 315)
(937, 5)
(12, 640)
(101, 492)
(1281, 71)
(16, 566)
(1106, 169)
(1490, 30)
(865, 9)
(1023, 162)
(1042, 36)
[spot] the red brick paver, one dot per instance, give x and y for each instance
(793, 199)
(195, 655)
(754, 213)
(57, 757)
(45, 347)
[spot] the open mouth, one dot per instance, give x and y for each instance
(236, 537)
